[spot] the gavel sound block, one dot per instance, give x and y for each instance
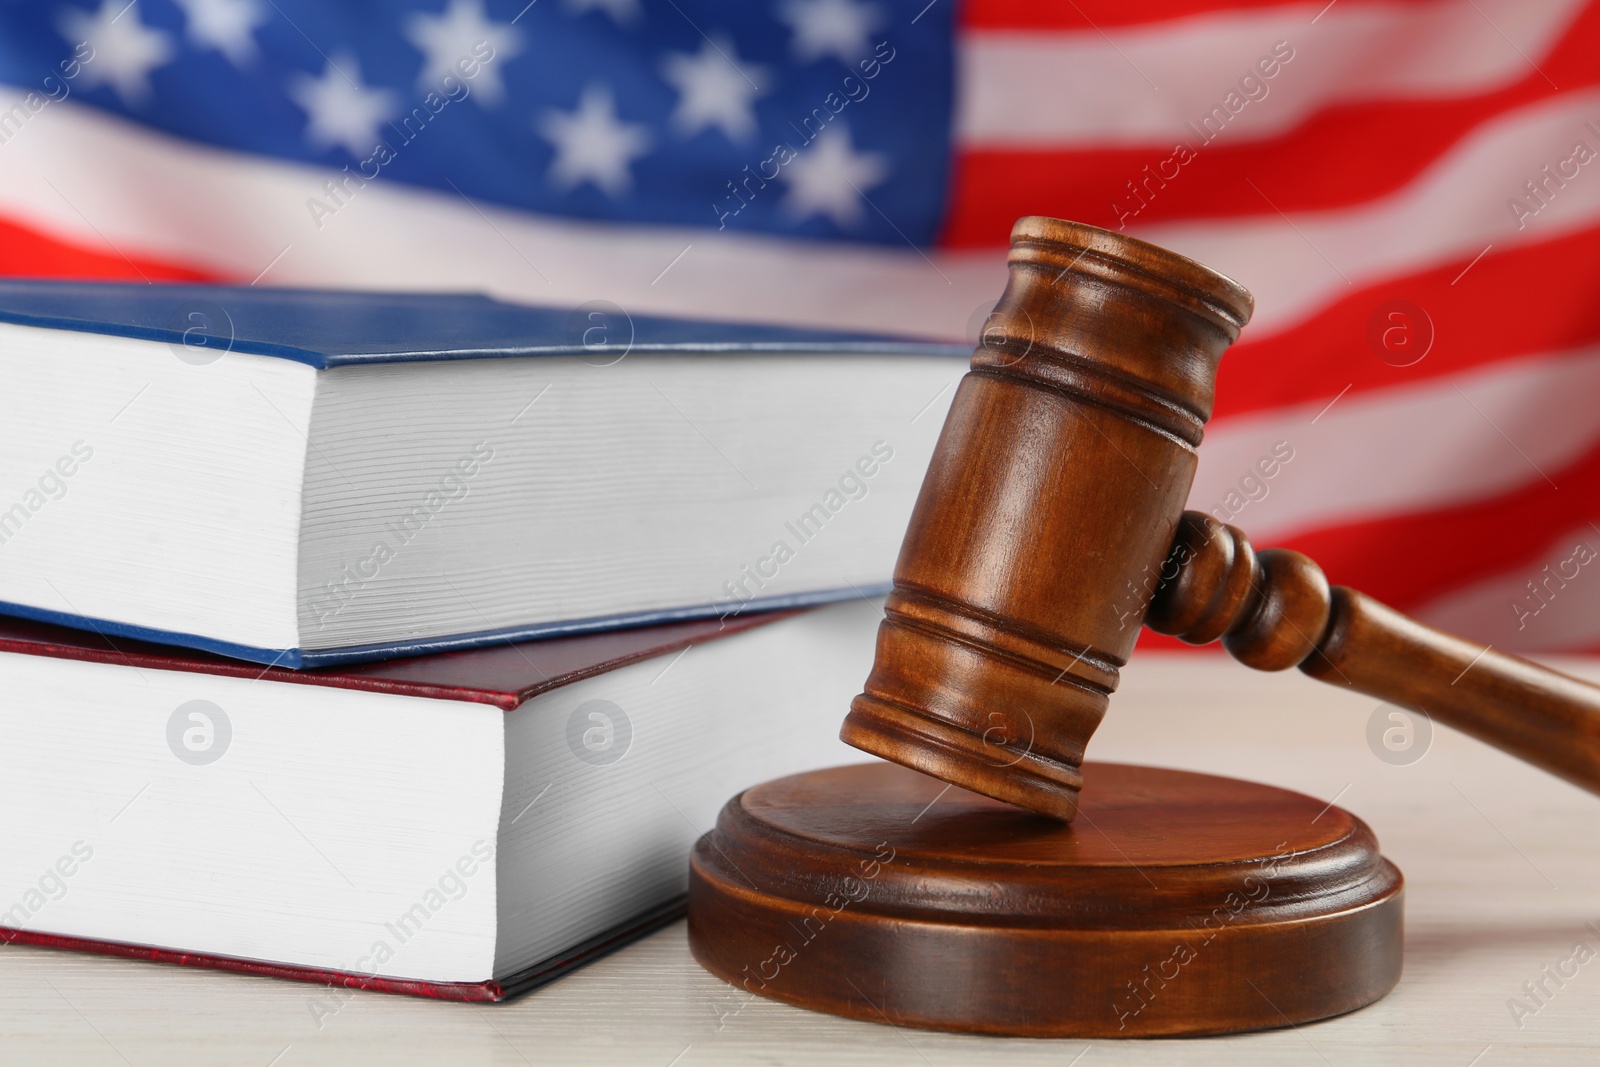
(1049, 527)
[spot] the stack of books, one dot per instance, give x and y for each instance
(408, 642)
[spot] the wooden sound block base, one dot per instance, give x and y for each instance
(1176, 904)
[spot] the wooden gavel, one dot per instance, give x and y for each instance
(1051, 524)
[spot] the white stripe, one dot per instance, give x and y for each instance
(1563, 612)
(86, 177)
(1403, 450)
(1297, 264)
(83, 176)
(1140, 85)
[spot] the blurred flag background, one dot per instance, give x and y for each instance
(1409, 187)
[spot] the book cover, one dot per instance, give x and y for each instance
(326, 329)
(503, 676)
(318, 437)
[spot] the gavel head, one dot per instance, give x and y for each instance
(1047, 513)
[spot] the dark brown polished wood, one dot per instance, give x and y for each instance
(1044, 518)
(1274, 610)
(1046, 526)
(1049, 518)
(1049, 528)
(1177, 903)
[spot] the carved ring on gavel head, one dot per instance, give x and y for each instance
(1051, 521)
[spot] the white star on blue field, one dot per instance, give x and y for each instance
(821, 118)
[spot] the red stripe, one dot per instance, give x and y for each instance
(1341, 156)
(1532, 299)
(1102, 14)
(25, 253)
(1150, 641)
(1408, 560)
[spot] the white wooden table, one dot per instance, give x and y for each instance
(1502, 865)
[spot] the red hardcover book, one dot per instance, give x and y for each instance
(465, 826)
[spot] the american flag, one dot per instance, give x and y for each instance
(1409, 187)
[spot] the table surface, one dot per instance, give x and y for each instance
(1502, 878)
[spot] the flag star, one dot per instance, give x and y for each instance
(624, 13)
(341, 111)
(592, 145)
(829, 178)
(125, 49)
(714, 89)
(836, 28)
(464, 32)
(229, 26)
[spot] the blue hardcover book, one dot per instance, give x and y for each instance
(306, 478)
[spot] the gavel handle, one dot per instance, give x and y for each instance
(1274, 610)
